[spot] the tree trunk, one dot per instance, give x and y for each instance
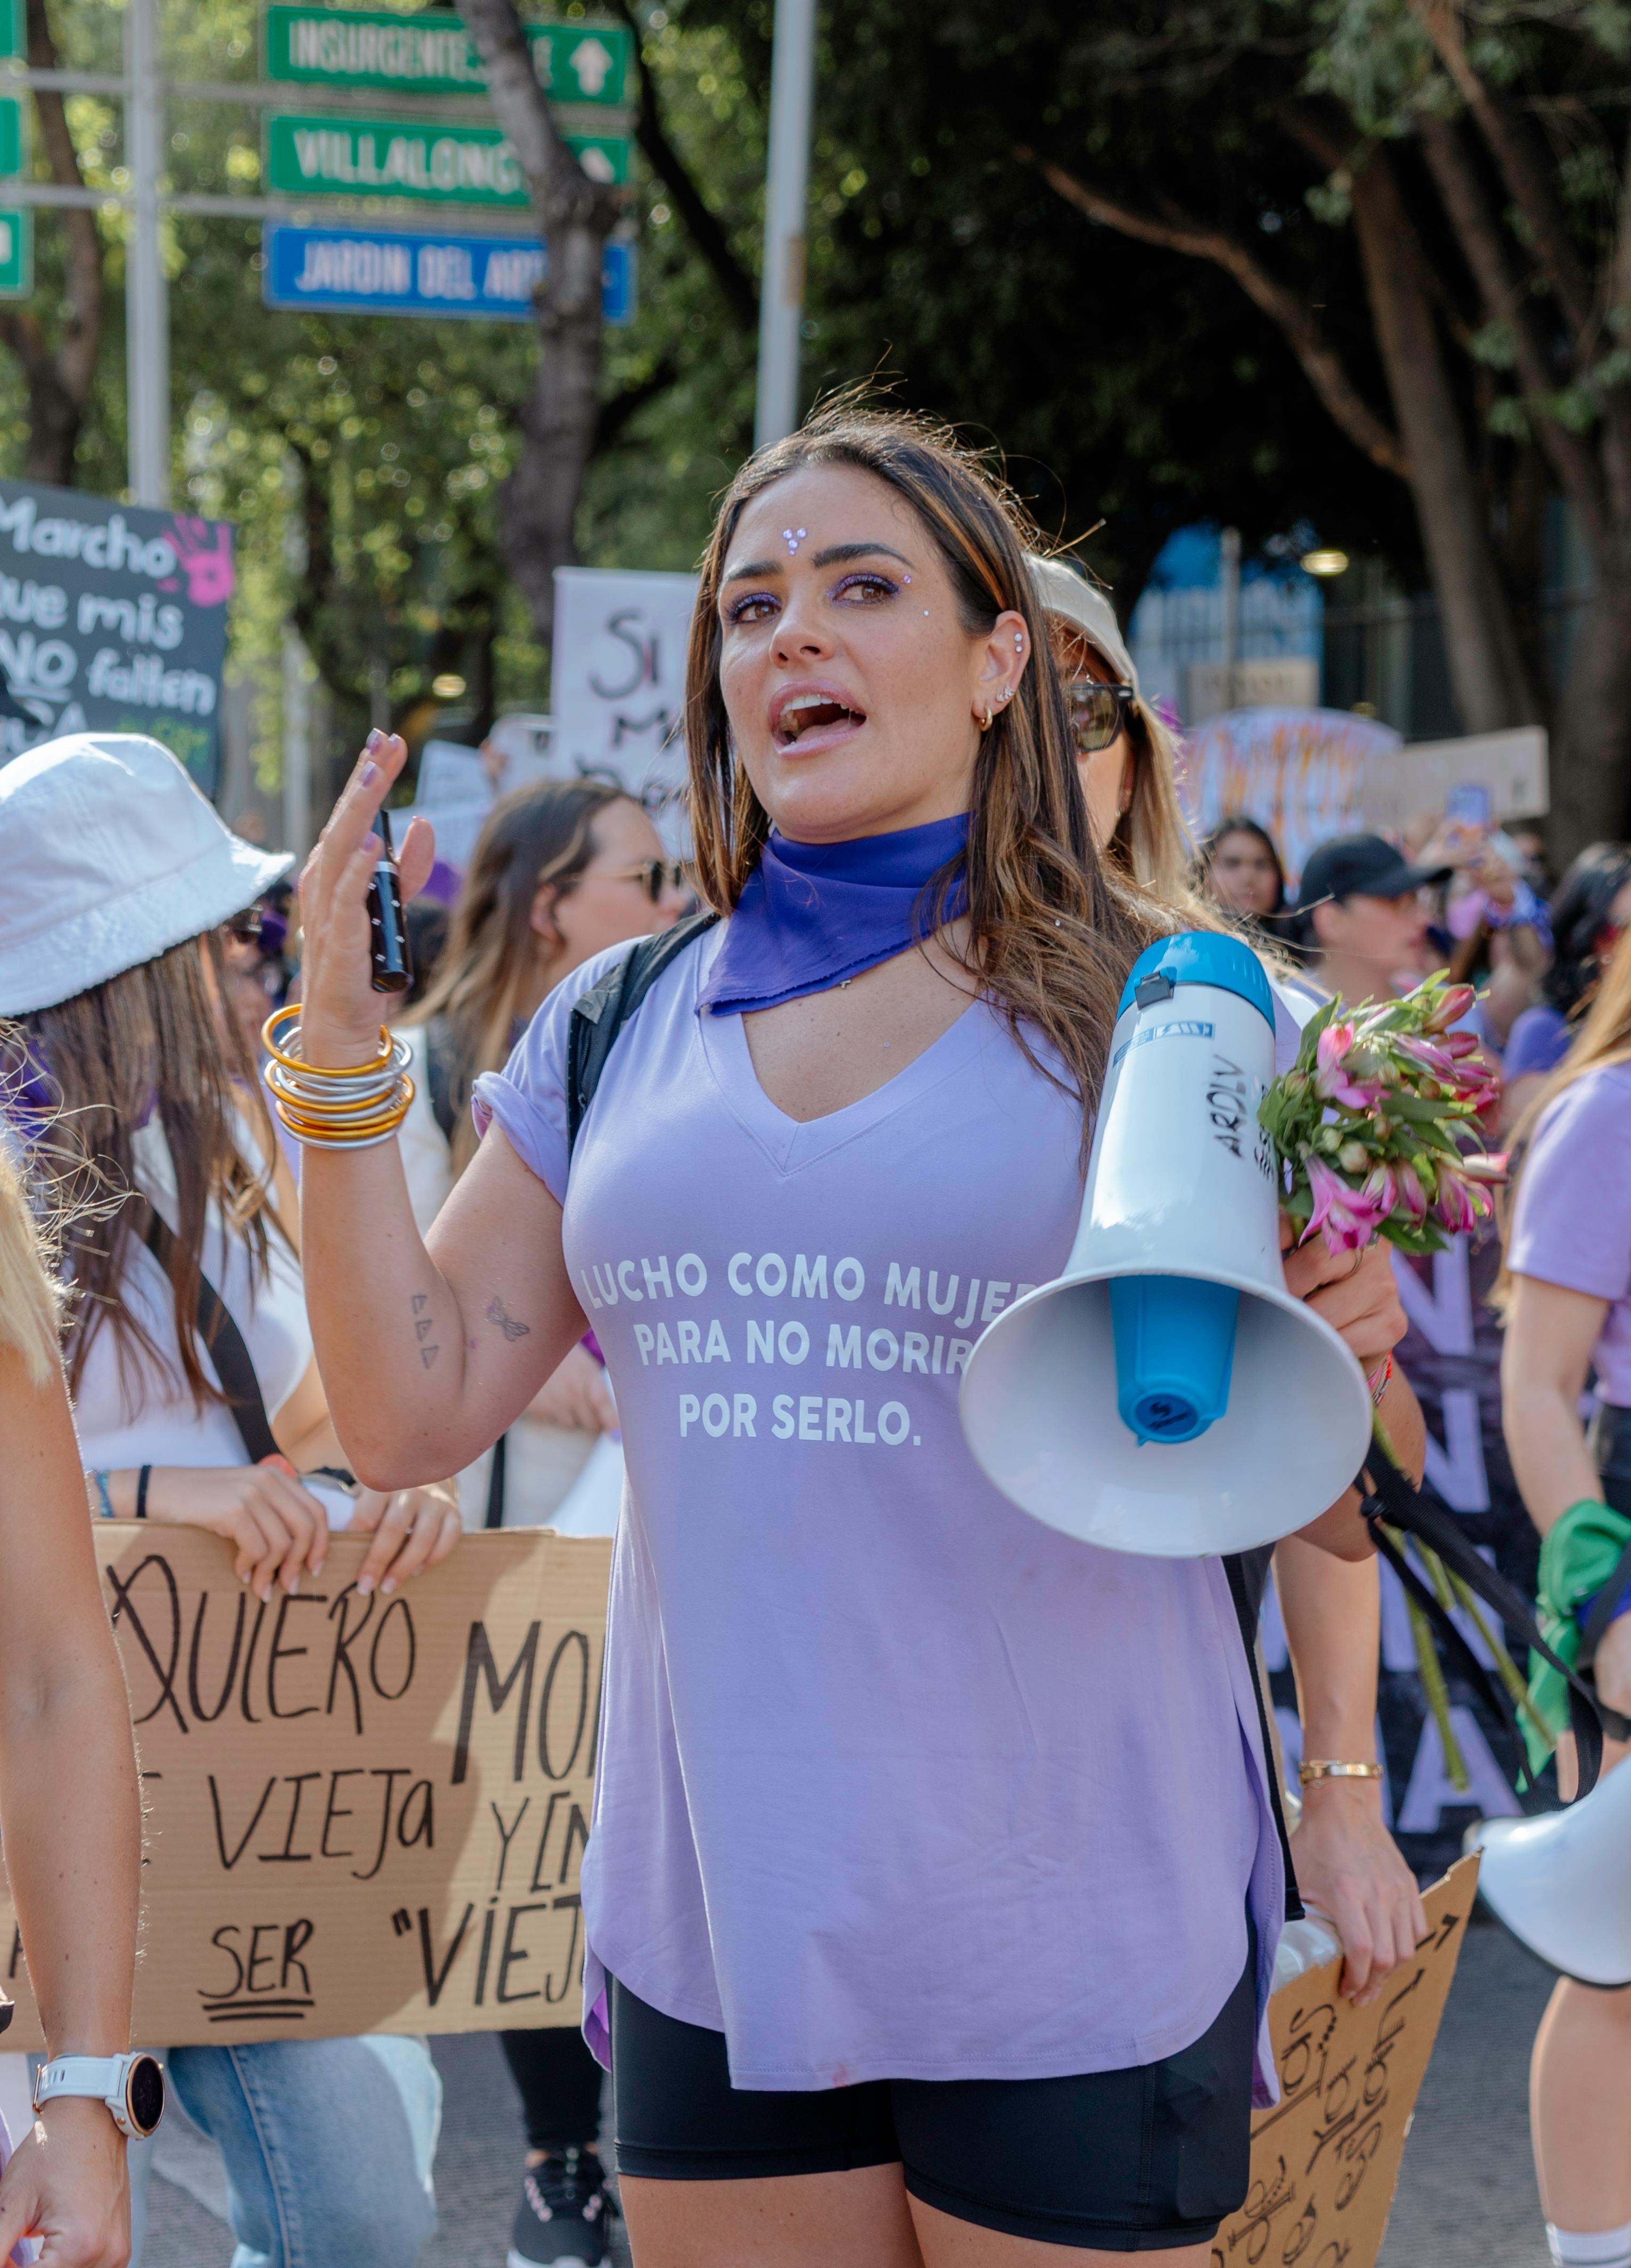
(574, 215)
(1490, 685)
(1591, 753)
(59, 378)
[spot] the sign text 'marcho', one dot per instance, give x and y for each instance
(419, 159)
(433, 53)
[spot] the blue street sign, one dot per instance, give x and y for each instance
(369, 271)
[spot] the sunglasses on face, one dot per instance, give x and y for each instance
(244, 928)
(655, 876)
(1098, 714)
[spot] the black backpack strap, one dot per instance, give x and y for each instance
(603, 1010)
(1246, 1615)
(233, 1364)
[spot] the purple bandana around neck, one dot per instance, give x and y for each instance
(813, 914)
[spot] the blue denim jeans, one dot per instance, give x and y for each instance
(328, 2145)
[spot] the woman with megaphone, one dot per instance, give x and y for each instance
(1347, 1863)
(1568, 1316)
(935, 1884)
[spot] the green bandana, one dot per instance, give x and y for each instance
(1577, 1557)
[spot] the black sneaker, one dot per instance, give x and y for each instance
(561, 2220)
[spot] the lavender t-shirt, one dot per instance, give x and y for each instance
(894, 1781)
(1572, 1222)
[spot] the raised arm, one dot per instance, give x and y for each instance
(428, 1349)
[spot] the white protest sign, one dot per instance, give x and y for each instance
(619, 678)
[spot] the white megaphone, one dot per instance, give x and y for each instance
(1559, 1883)
(1167, 1395)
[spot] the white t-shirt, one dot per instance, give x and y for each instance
(133, 1412)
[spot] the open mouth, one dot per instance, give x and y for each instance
(808, 714)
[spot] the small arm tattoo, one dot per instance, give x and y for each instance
(497, 1313)
(423, 1325)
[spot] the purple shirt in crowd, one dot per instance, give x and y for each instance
(1538, 1042)
(895, 1781)
(1572, 1222)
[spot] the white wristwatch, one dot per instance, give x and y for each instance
(132, 2086)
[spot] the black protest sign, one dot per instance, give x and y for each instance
(112, 619)
(363, 1814)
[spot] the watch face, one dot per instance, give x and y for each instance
(144, 2094)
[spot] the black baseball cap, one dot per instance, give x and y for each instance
(1362, 866)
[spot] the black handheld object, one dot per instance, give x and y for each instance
(389, 955)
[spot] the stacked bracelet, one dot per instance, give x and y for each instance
(324, 1108)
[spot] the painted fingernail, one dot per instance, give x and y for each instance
(292, 1584)
(369, 773)
(389, 1584)
(375, 739)
(365, 1584)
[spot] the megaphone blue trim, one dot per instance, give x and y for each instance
(1201, 956)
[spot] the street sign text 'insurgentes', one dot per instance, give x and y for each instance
(420, 158)
(433, 53)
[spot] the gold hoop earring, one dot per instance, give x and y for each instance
(984, 721)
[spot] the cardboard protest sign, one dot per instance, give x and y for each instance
(619, 680)
(1302, 773)
(1324, 2162)
(113, 619)
(363, 1814)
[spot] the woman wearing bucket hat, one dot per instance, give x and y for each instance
(68, 1785)
(117, 878)
(1347, 1865)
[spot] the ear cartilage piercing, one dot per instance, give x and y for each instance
(792, 537)
(1019, 643)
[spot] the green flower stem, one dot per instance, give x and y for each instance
(1438, 1693)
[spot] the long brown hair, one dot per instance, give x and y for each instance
(1053, 930)
(153, 1043)
(1602, 1040)
(540, 834)
(30, 1295)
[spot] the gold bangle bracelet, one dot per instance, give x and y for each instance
(1318, 1768)
(284, 1016)
(318, 1128)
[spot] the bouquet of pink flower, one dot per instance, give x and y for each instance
(1367, 1125)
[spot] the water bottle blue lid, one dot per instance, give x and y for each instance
(1202, 957)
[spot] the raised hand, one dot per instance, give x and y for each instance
(340, 1013)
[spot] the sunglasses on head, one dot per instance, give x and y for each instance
(1098, 714)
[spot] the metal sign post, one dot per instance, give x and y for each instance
(147, 292)
(786, 190)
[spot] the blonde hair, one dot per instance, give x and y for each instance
(1052, 927)
(31, 1298)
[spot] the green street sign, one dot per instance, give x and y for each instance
(13, 139)
(16, 253)
(431, 163)
(433, 53)
(13, 30)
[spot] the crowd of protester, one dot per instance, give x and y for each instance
(133, 1063)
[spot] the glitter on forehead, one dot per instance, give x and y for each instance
(792, 537)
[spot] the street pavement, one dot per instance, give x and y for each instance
(1467, 2197)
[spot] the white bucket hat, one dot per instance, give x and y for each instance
(1061, 591)
(108, 856)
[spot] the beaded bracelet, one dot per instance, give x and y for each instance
(324, 1107)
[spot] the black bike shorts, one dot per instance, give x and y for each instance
(1138, 2160)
